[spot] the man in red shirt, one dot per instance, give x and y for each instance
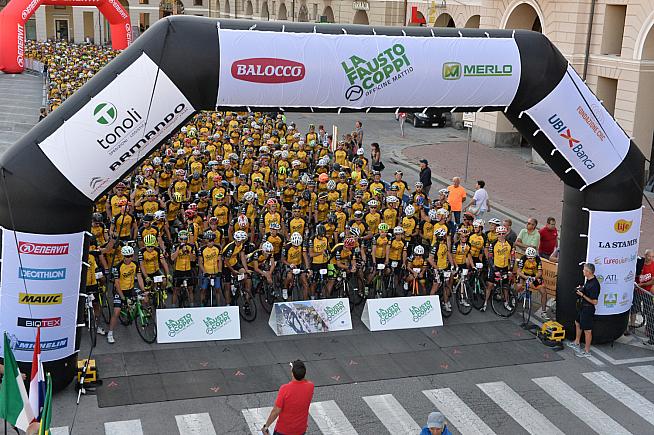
(292, 404)
(549, 238)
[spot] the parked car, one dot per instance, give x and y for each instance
(431, 118)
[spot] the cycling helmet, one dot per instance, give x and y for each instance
(240, 236)
(323, 178)
(358, 214)
(97, 217)
(180, 172)
(156, 161)
(478, 223)
(249, 196)
(150, 240)
(267, 247)
(530, 252)
(274, 226)
(355, 232)
(331, 217)
(218, 195)
(350, 242)
(150, 192)
(433, 214)
(320, 230)
(383, 227)
(398, 230)
(419, 185)
(148, 218)
(440, 233)
(180, 152)
(443, 191)
(183, 235)
(296, 163)
(277, 154)
(442, 212)
(213, 220)
(392, 199)
(242, 221)
(463, 231)
(373, 203)
(331, 185)
(409, 210)
(193, 206)
(189, 213)
(363, 182)
(159, 214)
(360, 151)
(271, 202)
(127, 251)
(419, 250)
(494, 221)
(501, 229)
(120, 185)
(306, 195)
(296, 239)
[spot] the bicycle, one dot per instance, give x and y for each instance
(393, 279)
(89, 317)
(267, 294)
(460, 291)
(103, 301)
(379, 287)
(503, 296)
(343, 289)
(155, 288)
(184, 296)
(441, 277)
(295, 292)
(416, 283)
(247, 308)
(477, 287)
(524, 300)
(140, 311)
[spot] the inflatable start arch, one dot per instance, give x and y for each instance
(16, 13)
(185, 64)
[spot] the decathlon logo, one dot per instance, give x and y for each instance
(268, 70)
(105, 113)
(31, 248)
(41, 274)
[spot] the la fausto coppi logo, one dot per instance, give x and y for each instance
(372, 75)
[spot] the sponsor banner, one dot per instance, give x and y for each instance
(581, 129)
(613, 249)
(41, 288)
(117, 127)
(178, 325)
(308, 317)
(402, 313)
(356, 71)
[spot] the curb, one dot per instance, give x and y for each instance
(398, 158)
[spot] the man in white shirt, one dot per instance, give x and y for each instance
(480, 203)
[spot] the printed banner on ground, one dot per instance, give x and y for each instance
(613, 249)
(402, 313)
(179, 325)
(41, 288)
(308, 317)
(121, 124)
(581, 129)
(318, 70)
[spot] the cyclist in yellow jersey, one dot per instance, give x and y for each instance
(123, 286)
(293, 259)
(123, 226)
(390, 213)
(530, 269)
(500, 255)
(427, 227)
(182, 256)
(460, 259)
(116, 201)
(439, 259)
(92, 287)
(477, 242)
(372, 219)
(98, 229)
(410, 223)
(276, 239)
(317, 254)
(234, 261)
(210, 262)
(416, 266)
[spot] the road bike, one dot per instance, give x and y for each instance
(417, 284)
(441, 277)
(380, 283)
(461, 291)
(158, 291)
(268, 293)
(503, 295)
(524, 302)
(184, 295)
(247, 307)
(477, 287)
(296, 292)
(139, 309)
(89, 317)
(343, 289)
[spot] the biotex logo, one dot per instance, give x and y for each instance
(214, 324)
(387, 314)
(335, 311)
(456, 70)
(421, 310)
(105, 113)
(179, 325)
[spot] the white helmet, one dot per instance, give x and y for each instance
(443, 191)
(495, 221)
(331, 185)
(373, 203)
(360, 151)
(478, 223)
(501, 229)
(267, 247)
(159, 214)
(433, 214)
(277, 154)
(296, 239)
(240, 236)
(409, 210)
(440, 232)
(183, 130)
(419, 250)
(442, 212)
(242, 220)
(180, 152)
(156, 161)
(249, 196)
(226, 162)
(296, 163)
(284, 154)
(127, 251)
(355, 231)
(530, 252)
(264, 149)
(392, 199)
(398, 230)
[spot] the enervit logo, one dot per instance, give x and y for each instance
(455, 70)
(49, 322)
(31, 248)
(29, 9)
(20, 42)
(119, 9)
(621, 226)
(268, 70)
(41, 274)
(40, 299)
(105, 113)
(573, 143)
(45, 345)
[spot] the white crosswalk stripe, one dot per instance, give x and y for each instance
(330, 419)
(392, 414)
(256, 418)
(580, 406)
(62, 430)
(195, 424)
(519, 409)
(457, 412)
(623, 394)
(646, 372)
(125, 427)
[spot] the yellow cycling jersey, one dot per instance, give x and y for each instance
(439, 251)
(372, 222)
(409, 225)
(322, 208)
(231, 253)
(530, 267)
(501, 252)
(293, 254)
(269, 218)
(438, 226)
(183, 260)
(150, 260)
(90, 272)
(416, 261)
(150, 207)
(396, 249)
(210, 259)
(460, 252)
(115, 208)
(98, 230)
(319, 245)
(296, 225)
(126, 275)
(427, 232)
(180, 187)
(123, 225)
(491, 237)
(390, 217)
(477, 244)
(221, 213)
(277, 242)
(341, 220)
(380, 243)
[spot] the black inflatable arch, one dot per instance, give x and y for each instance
(187, 50)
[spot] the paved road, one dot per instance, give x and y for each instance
(21, 96)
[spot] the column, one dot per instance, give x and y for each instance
(78, 25)
(39, 15)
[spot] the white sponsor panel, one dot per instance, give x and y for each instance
(179, 325)
(41, 288)
(613, 249)
(117, 127)
(402, 313)
(307, 317)
(581, 129)
(317, 70)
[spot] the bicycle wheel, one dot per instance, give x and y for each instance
(478, 293)
(183, 297)
(247, 308)
(93, 327)
(462, 297)
(125, 315)
(501, 307)
(355, 296)
(524, 301)
(266, 297)
(146, 324)
(105, 309)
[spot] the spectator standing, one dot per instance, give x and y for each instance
(425, 176)
(587, 299)
(480, 203)
(375, 157)
(549, 238)
(292, 404)
(456, 197)
(435, 425)
(42, 114)
(358, 128)
(528, 237)
(646, 281)
(511, 236)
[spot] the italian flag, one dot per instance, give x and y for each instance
(15, 408)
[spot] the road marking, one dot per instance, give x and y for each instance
(646, 372)
(392, 414)
(625, 395)
(519, 409)
(256, 418)
(579, 406)
(195, 424)
(62, 430)
(461, 416)
(125, 427)
(330, 419)
(621, 361)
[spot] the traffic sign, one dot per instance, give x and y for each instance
(469, 116)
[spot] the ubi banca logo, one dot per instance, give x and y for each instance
(573, 143)
(105, 113)
(268, 70)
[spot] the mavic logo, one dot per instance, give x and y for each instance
(451, 71)
(105, 113)
(568, 136)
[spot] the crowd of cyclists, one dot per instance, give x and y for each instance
(238, 204)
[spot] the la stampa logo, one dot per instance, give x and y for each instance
(105, 113)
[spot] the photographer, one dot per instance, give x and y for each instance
(587, 296)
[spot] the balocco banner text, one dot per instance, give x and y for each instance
(355, 71)
(41, 288)
(402, 313)
(181, 325)
(613, 249)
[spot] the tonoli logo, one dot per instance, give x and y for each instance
(105, 113)
(268, 70)
(622, 226)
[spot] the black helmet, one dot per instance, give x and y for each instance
(306, 195)
(320, 230)
(97, 217)
(148, 218)
(331, 217)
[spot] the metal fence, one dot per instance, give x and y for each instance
(641, 320)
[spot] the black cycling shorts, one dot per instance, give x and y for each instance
(585, 318)
(180, 275)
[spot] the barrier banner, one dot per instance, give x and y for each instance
(358, 71)
(580, 128)
(180, 325)
(121, 124)
(402, 313)
(308, 317)
(613, 249)
(40, 287)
